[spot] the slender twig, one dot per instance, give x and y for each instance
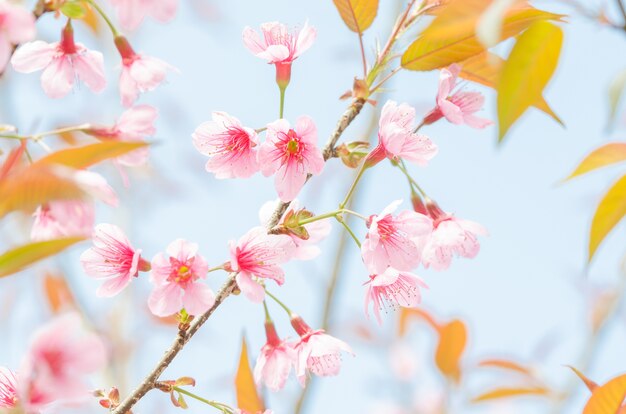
(622, 8)
(363, 55)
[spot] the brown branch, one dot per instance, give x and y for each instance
(184, 336)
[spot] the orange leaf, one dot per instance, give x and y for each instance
(591, 385)
(21, 257)
(456, 19)
(500, 393)
(407, 314)
(507, 365)
(358, 15)
(608, 213)
(90, 18)
(58, 293)
(607, 399)
(601, 157)
(88, 155)
(452, 341)
(12, 159)
(247, 395)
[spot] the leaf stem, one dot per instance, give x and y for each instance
(349, 230)
(282, 101)
(414, 183)
(363, 59)
(353, 186)
(282, 305)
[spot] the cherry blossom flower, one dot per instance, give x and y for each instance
(135, 124)
(58, 219)
(8, 388)
(112, 259)
(392, 288)
(279, 46)
(290, 154)
(62, 63)
(394, 241)
(140, 73)
(177, 281)
(450, 236)
(60, 355)
(230, 146)
(275, 361)
(258, 254)
(458, 107)
(317, 352)
(318, 230)
(17, 25)
(397, 139)
(131, 13)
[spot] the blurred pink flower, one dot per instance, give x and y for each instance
(397, 139)
(275, 361)
(318, 230)
(317, 352)
(58, 219)
(457, 107)
(112, 259)
(290, 154)
(61, 354)
(392, 288)
(258, 254)
(394, 241)
(17, 25)
(140, 73)
(63, 62)
(131, 13)
(450, 236)
(230, 145)
(177, 281)
(8, 388)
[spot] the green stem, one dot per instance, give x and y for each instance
(282, 305)
(218, 405)
(215, 269)
(329, 215)
(353, 186)
(268, 318)
(414, 183)
(282, 101)
(74, 128)
(108, 21)
(11, 136)
(349, 230)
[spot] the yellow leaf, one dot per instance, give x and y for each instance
(90, 18)
(456, 19)
(452, 340)
(601, 157)
(85, 156)
(608, 213)
(589, 383)
(527, 71)
(485, 69)
(247, 395)
(607, 399)
(500, 393)
(507, 365)
(21, 257)
(427, 53)
(58, 293)
(358, 15)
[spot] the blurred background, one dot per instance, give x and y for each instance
(528, 296)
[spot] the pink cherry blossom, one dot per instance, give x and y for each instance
(318, 230)
(394, 241)
(62, 63)
(58, 219)
(61, 354)
(392, 288)
(278, 44)
(230, 146)
(275, 361)
(176, 277)
(131, 13)
(317, 352)
(259, 255)
(458, 107)
(290, 154)
(397, 139)
(140, 73)
(17, 25)
(450, 236)
(112, 259)
(8, 388)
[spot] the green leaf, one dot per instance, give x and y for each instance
(73, 10)
(358, 15)
(609, 212)
(88, 155)
(527, 71)
(601, 157)
(21, 257)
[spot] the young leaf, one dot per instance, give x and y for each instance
(88, 155)
(358, 15)
(589, 383)
(248, 398)
(73, 9)
(601, 157)
(21, 257)
(607, 398)
(500, 393)
(452, 340)
(527, 71)
(608, 213)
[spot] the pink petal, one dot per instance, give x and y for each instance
(90, 69)
(33, 56)
(198, 298)
(250, 288)
(165, 300)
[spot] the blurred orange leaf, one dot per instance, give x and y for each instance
(91, 18)
(21, 257)
(248, 398)
(500, 393)
(456, 19)
(608, 213)
(12, 159)
(358, 15)
(608, 398)
(452, 341)
(601, 157)
(85, 156)
(406, 314)
(507, 365)
(58, 293)
(591, 385)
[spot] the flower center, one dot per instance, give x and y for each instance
(238, 140)
(182, 272)
(386, 228)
